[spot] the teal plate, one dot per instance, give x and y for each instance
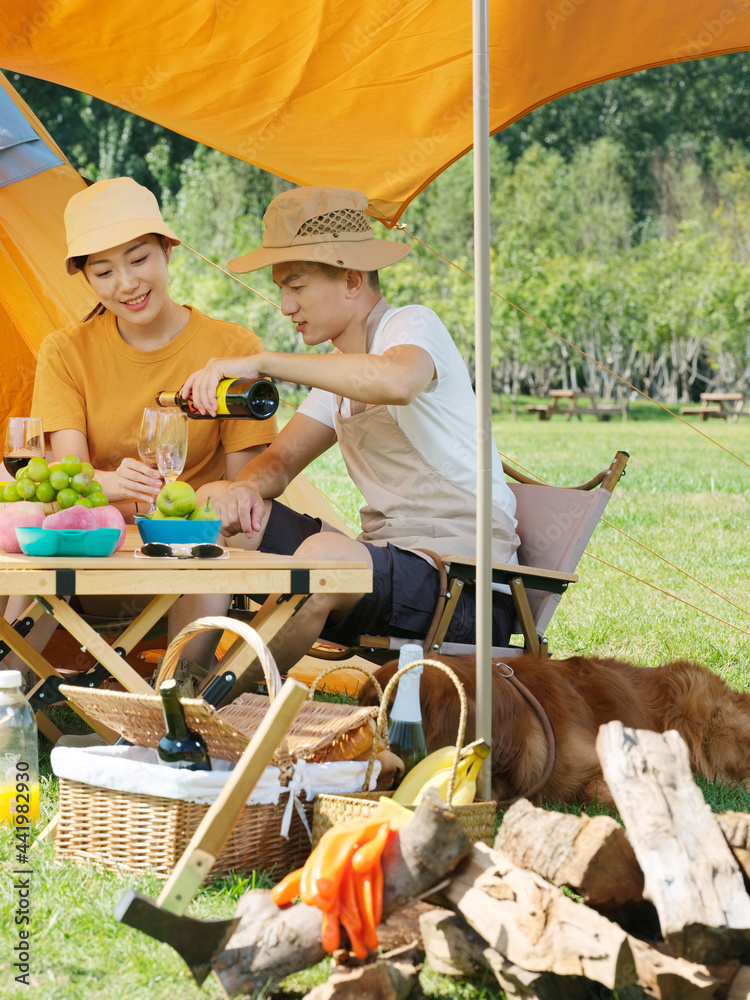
(67, 541)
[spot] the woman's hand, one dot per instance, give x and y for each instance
(132, 480)
(201, 386)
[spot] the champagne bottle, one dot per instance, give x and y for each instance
(405, 731)
(257, 398)
(180, 746)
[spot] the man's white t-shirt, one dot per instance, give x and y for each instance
(441, 422)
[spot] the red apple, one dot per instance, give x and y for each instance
(76, 517)
(110, 517)
(21, 514)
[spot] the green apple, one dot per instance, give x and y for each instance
(204, 513)
(176, 499)
(156, 515)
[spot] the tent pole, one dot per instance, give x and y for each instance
(483, 378)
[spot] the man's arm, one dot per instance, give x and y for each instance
(394, 378)
(241, 506)
(235, 461)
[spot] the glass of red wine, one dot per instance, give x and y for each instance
(24, 440)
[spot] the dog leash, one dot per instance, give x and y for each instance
(548, 732)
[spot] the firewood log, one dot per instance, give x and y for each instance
(690, 873)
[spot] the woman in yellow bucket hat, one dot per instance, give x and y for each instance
(94, 378)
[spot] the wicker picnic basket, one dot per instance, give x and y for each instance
(119, 829)
(477, 818)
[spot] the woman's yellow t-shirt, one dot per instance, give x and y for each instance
(88, 379)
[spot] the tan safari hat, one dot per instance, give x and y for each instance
(324, 225)
(110, 213)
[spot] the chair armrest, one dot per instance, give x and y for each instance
(533, 577)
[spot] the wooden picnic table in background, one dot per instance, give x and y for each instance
(577, 403)
(726, 405)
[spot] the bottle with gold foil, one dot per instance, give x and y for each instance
(256, 398)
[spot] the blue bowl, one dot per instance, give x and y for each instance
(68, 541)
(178, 532)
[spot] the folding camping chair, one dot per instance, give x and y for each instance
(555, 525)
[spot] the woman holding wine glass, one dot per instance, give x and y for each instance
(94, 378)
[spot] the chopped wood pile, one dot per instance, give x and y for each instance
(561, 907)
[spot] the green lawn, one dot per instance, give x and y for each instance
(683, 497)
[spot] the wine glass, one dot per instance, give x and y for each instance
(147, 440)
(24, 440)
(171, 443)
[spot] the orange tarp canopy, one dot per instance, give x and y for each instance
(374, 95)
(37, 295)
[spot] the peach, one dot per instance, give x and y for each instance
(22, 514)
(110, 517)
(77, 517)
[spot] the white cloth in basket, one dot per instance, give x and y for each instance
(136, 770)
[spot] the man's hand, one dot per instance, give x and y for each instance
(201, 385)
(241, 509)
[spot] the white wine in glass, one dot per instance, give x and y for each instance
(24, 440)
(171, 443)
(147, 440)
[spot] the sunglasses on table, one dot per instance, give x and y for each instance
(202, 550)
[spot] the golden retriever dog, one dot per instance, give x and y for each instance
(579, 695)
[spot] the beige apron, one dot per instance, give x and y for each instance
(408, 502)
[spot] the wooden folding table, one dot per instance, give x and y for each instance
(49, 580)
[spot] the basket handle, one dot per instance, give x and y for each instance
(242, 629)
(382, 723)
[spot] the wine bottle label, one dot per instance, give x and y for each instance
(221, 396)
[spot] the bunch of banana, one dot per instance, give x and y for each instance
(435, 772)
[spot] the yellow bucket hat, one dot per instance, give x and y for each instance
(109, 213)
(324, 225)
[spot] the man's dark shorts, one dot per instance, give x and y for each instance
(404, 594)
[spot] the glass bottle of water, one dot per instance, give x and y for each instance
(405, 731)
(19, 754)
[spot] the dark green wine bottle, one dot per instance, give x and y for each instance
(180, 746)
(257, 398)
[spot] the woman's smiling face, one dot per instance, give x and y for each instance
(131, 279)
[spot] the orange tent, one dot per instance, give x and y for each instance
(37, 296)
(374, 95)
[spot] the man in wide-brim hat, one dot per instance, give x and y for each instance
(396, 396)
